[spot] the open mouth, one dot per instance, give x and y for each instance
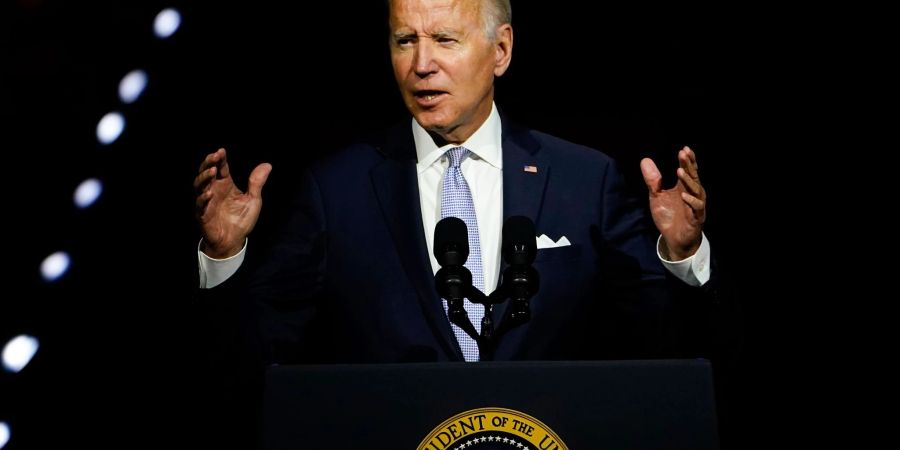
(428, 96)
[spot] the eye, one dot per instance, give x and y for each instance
(404, 41)
(445, 40)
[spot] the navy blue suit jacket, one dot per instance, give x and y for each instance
(349, 279)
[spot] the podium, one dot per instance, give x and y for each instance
(646, 405)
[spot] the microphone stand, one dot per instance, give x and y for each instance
(454, 281)
(519, 285)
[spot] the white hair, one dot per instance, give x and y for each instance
(493, 14)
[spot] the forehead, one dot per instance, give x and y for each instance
(422, 14)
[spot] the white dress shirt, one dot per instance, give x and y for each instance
(483, 170)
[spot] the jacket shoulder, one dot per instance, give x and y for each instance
(570, 152)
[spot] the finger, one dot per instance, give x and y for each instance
(204, 179)
(222, 164)
(258, 179)
(211, 159)
(692, 185)
(695, 203)
(651, 174)
(687, 159)
(203, 199)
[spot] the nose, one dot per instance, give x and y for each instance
(425, 63)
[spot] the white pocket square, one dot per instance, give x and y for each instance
(545, 242)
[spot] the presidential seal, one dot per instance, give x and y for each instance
(492, 429)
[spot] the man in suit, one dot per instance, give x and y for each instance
(351, 278)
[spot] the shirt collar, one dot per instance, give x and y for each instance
(485, 142)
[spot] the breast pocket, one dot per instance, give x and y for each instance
(565, 253)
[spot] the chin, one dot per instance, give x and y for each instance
(432, 121)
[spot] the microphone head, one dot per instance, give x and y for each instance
(451, 242)
(519, 241)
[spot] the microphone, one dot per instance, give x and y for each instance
(519, 246)
(520, 279)
(454, 281)
(451, 242)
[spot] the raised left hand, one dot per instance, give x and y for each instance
(679, 212)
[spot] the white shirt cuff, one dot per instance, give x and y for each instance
(693, 270)
(214, 272)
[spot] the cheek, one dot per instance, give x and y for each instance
(479, 71)
(487, 68)
(401, 67)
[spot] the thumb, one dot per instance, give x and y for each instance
(651, 175)
(258, 179)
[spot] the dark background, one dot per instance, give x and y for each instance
(286, 83)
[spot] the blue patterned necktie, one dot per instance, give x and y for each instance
(456, 201)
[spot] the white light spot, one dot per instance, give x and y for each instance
(132, 86)
(88, 192)
(110, 127)
(54, 266)
(166, 23)
(18, 352)
(4, 434)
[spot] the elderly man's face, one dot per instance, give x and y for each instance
(445, 65)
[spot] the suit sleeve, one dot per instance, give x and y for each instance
(655, 315)
(266, 313)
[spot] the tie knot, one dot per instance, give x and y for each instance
(457, 155)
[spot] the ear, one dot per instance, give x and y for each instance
(503, 48)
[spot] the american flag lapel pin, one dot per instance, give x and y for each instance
(531, 169)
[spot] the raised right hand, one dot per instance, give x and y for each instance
(225, 214)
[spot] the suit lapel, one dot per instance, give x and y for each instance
(396, 186)
(523, 191)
